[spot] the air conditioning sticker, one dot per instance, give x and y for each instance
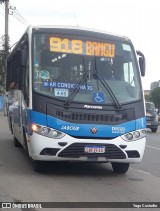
(64, 85)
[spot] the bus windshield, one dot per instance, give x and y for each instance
(84, 69)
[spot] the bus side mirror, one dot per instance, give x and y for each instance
(142, 63)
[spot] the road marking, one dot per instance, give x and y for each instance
(152, 147)
(144, 172)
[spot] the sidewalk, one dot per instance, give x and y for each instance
(4, 197)
(1, 112)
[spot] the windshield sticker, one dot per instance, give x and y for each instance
(66, 85)
(98, 98)
(90, 48)
(61, 92)
(126, 47)
(120, 130)
(44, 74)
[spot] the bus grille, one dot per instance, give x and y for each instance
(92, 118)
(76, 150)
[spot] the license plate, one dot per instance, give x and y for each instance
(94, 149)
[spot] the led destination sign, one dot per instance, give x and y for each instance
(90, 48)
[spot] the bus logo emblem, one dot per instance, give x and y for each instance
(94, 130)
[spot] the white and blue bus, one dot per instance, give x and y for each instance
(75, 94)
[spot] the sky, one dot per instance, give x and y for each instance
(137, 19)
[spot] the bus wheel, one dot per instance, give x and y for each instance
(16, 142)
(120, 168)
(38, 165)
(25, 143)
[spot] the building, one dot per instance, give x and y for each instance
(155, 84)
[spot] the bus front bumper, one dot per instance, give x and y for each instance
(72, 149)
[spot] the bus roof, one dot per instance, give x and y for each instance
(77, 28)
(82, 30)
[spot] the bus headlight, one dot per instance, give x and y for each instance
(44, 131)
(129, 136)
(53, 133)
(48, 132)
(135, 135)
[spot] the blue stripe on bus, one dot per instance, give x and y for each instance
(141, 123)
(38, 118)
(76, 129)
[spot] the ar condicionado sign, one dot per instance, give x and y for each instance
(90, 48)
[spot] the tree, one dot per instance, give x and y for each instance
(155, 97)
(1, 72)
(2, 69)
(3, 57)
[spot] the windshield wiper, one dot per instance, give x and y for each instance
(97, 75)
(76, 89)
(74, 92)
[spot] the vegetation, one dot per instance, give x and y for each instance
(1, 71)
(3, 56)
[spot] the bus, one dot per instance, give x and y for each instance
(75, 94)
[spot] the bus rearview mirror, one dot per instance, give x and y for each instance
(142, 63)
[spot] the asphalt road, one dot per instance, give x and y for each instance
(77, 182)
(151, 159)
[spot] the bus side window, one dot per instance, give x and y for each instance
(9, 72)
(25, 72)
(13, 68)
(13, 85)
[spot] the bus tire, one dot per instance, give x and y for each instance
(120, 168)
(10, 125)
(16, 142)
(25, 143)
(38, 165)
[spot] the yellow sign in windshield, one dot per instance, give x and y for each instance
(90, 48)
